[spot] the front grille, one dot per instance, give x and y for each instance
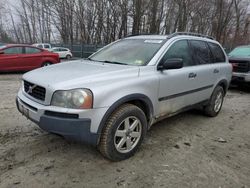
(240, 66)
(34, 90)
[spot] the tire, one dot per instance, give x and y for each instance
(45, 64)
(216, 101)
(118, 142)
(68, 56)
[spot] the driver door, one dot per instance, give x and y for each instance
(9, 60)
(177, 86)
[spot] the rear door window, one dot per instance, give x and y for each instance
(46, 46)
(13, 50)
(56, 50)
(201, 52)
(218, 54)
(180, 49)
(63, 50)
(29, 50)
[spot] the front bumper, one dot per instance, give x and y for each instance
(78, 125)
(241, 77)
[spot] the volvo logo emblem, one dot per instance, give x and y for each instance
(30, 89)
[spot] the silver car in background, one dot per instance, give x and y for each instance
(64, 53)
(112, 98)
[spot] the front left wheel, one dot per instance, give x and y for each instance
(45, 64)
(123, 133)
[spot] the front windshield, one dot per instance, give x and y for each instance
(129, 51)
(240, 52)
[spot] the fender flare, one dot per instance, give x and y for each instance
(121, 101)
(224, 84)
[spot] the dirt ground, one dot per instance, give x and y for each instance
(188, 150)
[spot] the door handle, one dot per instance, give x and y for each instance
(216, 71)
(192, 75)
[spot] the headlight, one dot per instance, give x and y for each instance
(76, 99)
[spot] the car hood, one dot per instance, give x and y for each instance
(78, 74)
(232, 58)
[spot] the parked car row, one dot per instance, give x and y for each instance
(18, 57)
(62, 52)
(26, 57)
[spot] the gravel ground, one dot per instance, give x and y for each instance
(188, 150)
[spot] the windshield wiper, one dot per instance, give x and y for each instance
(115, 62)
(106, 61)
(88, 58)
(111, 62)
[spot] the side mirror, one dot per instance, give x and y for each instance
(174, 63)
(1, 52)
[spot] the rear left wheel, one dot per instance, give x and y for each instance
(68, 56)
(123, 133)
(215, 103)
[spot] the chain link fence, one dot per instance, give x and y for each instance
(85, 50)
(80, 50)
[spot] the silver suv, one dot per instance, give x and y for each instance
(111, 99)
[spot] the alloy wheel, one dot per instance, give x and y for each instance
(128, 134)
(218, 102)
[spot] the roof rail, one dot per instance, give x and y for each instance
(190, 34)
(139, 34)
(132, 35)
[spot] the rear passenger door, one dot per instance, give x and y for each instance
(58, 51)
(10, 60)
(64, 52)
(219, 61)
(205, 70)
(32, 58)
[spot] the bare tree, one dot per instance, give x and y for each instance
(103, 21)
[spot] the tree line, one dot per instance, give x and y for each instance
(103, 21)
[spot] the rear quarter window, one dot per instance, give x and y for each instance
(218, 54)
(63, 50)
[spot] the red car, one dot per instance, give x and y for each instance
(25, 57)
